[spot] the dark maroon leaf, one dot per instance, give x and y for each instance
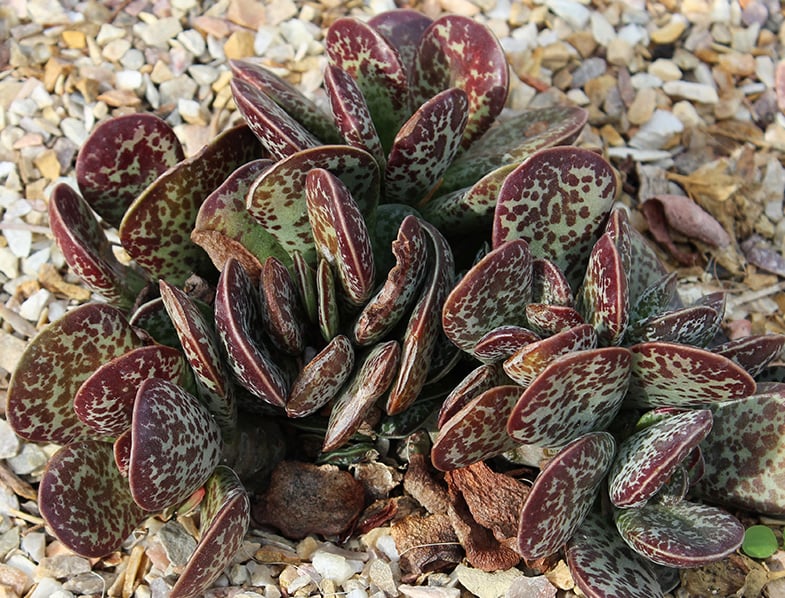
(502, 342)
(753, 353)
(546, 320)
(122, 451)
(694, 325)
(282, 315)
(477, 381)
(402, 28)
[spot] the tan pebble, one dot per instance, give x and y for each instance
(779, 84)
(665, 70)
(583, 42)
(160, 73)
(14, 579)
(620, 52)
(239, 45)
(687, 114)
(642, 106)
(114, 50)
(119, 97)
(463, 7)
(51, 280)
(48, 164)
(214, 26)
(736, 63)
(88, 88)
(611, 136)
(670, 32)
(75, 40)
(247, 13)
(556, 55)
(599, 87)
(55, 69)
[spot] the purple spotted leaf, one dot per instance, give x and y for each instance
(151, 318)
(105, 401)
(424, 325)
(475, 433)
(575, 394)
(321, 378)
(693, 325)
(685, 534)
(549, 286)
(328, 316)
(617, 229)
(652, 300)
(120, 158)
(305, 280)
(87, 250)
(557, 201)
(369, 382)
(351, 113)
(563, 494)
(225, 229)
(175, 445)
(282, 315)
(753, 353)
(529, 361)
(668, 374)
(360, 50)
(156, 229)
(200, 345)
(280, 134)
(475, 382)
(745, 452)
(340, 234)
(288, 97)
(238, 324)
(500, 343)
(425, 146)
(402, 28)
(277, 198)
(546, 320)
(225, 516)
(55, 364)
(121, 450)
(647, 459)
(385, 224)
(85, 500)
(494, 292)
(457, 51)
(385, 309)
(603, 300)
(603, 566)
(512, 141)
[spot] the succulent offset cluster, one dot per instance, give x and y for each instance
(301, 271)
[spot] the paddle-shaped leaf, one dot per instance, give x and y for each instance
(282, 315)
(667, 374)
(425, 146)
(575, 394)
(225, 516)
(340, 234)
(56, 363)
(475, 382)
(402, 28)
(753, 353)
(238, 324)
(105, 401)
(87, 250)
(120, 158)
(156, 229)
(546, 320)
(549, 286)
(557, 201)
(493, 293)
(175, 445)
(603, 566)
(563, 494)
(647, 459)
(681, 535)
(456, 51)
(85, 500)
(476, 432)
(502, 342)
(693, 325)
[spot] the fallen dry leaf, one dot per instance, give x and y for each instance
(423, 487)
(426, 543)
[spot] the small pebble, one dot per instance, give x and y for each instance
(696, 92)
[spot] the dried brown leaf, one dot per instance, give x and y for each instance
(423, 487)
(426, 543)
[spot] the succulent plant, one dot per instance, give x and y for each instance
(299, 274)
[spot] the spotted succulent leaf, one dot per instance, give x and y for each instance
(321, 379)
(603, 566)
(473, 433)
(151, 318)
(494, 292)
(500, 343)
(225, 517)
(327, 301)
(237, 322)
(277, 198)
(647, 459)
(105, 401)
(546, 320)
(549, 286)
(685, 534)
(553, 510)
(225, 229)
(121, 450)
(55, 364)
(441, 63)
(693, 325)
(305, 281)
(425, 146)
(282, 315)
(87, 250)
(369, 382)
(475, 382)
(156, 229)
(652, 300)
(120, 158)
(668, 374)
(175, 445)
(557, 201)
(529, 361)
(754, 353)
(402, 28)
(575, 394)
(85, 500)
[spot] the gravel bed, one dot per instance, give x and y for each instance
(686, 97)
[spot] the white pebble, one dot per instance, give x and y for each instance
(50, 588)
(696, 92)
(33, 263)
(332, 566)
(9, 441)
(74, 129)
(576, 15)
(31, 458)
(131, 80)
(657, 131)
(34, 544)
(20, 239)
(192, 41)
(108, 33)
(601, 30)
(644, 81)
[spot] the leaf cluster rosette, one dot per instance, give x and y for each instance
(296, 280)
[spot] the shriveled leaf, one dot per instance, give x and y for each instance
(647, 459)
(175, 445)
(121, 157)
(575, 394)
(681, 535)
(500, 343)
(549, 286)
(282, 315)
(546, 320)
(563, 494)
(753, 353)
(85, 500)
(55, 364)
